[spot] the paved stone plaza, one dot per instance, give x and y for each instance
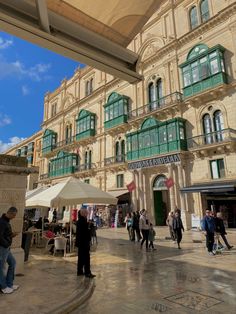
(166, 280)
(129, 280)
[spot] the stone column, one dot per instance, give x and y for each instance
(135, 192)
(13, 181)
(185, 215)
(140, 189)
(171, 190)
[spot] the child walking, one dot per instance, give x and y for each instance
(151, 237)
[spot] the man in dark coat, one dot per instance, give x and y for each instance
(220, 228)
(177, 227)
(209, 228)
(6, 235)
(83, 239)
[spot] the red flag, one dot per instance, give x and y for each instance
(131, 186)
(169, 183)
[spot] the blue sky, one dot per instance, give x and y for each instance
(27, 72)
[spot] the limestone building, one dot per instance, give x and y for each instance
(173, 133)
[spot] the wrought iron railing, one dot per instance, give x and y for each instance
(155, 105)
(226, 135)
(65, 142)
(115, 159)
(85, 167)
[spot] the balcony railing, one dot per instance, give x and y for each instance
(226, 135)
(84, 167)
(115, 160)
(155, 105)
(65, 142)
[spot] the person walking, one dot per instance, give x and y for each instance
(128, 223)
(220, 228)
(169, 223)
(177, 226)
(6, 257)
(136, 230)
(208, 226)
(83, 239)
(144, 227)
(151, 237)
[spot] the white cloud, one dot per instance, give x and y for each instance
(38, 72)
(13, 141)
(5, 43)
(25, 90)
(4, 120)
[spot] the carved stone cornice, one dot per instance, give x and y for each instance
(219, 18)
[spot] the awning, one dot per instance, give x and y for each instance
(219, 187)
(93, 32)
(118, 193)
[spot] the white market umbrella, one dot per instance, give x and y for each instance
(70, 192)
(34, 192)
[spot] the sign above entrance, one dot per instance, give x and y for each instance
(154, 162)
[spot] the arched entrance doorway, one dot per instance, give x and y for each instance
(160, 196)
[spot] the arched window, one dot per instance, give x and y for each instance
(193, 17)
(68, 134)
(160, 183)
(213, 127)
(117, 148)
(87, 87)
(91, 86)
(155, 94)
(207, 128)
(218, 125)
(204, 10)
(123, 150)
(151, 93)
(159, 91)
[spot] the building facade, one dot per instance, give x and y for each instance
(173, 134)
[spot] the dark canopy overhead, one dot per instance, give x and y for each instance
(94, 32)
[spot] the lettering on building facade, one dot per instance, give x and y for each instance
(154, 162)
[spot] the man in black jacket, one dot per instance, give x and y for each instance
(220, 228)
(83, 239)
(6, 235)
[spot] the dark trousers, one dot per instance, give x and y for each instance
(178, 235)
(138, 234)
(151, 245)
(210, 241)
(145, 234)
(225, 240)
(83, 265)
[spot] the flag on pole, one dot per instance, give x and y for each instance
(169, 183)
(131, 186)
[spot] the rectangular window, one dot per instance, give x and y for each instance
(217, 168)
(162, 135)
(214, 66)
(195, 72)
(120, 181)
(204, 68)
(187, 76)
(86, 181)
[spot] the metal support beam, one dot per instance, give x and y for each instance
(43, 15)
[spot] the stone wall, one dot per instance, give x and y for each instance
(13, 181)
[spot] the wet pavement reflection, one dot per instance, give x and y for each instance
(168, 280)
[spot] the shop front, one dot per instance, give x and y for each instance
(219, 197)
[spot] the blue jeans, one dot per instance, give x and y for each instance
(6, 257)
